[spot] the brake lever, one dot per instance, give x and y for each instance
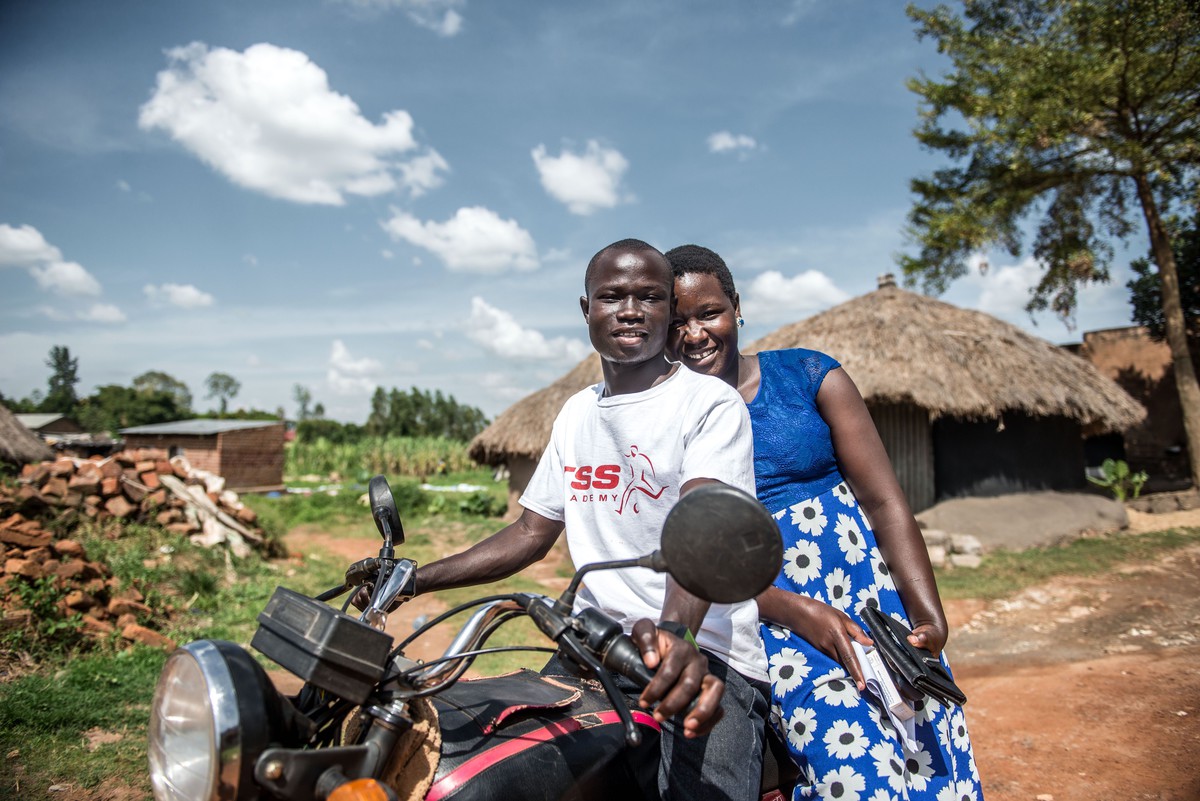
(579, 653)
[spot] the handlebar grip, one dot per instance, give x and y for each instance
(625, 658)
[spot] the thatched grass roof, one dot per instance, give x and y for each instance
(899, 347)
(523, 429)
(19, 445)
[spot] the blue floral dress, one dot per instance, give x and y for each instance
(844, 743)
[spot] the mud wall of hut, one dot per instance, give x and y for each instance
(906, 436)
(1017, 453)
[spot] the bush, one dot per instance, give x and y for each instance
(1117, 477)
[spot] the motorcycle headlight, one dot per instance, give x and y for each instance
(208, 723)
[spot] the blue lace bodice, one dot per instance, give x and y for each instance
(793, 453)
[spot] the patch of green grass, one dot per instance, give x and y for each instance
(1003, 573)
(45, 718)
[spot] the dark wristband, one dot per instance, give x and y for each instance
(679, 630)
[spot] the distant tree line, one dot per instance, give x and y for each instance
(157, 397)
(395, 413)
(153, 397)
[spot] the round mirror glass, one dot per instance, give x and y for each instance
(721, 544)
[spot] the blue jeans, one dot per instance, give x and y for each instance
(727, 764)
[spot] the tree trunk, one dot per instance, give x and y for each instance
(1185, 373)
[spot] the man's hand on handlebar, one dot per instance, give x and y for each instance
(681, 676)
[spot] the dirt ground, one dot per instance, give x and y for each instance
(1080, 689)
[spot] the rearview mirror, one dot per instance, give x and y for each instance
(721, 544)
(383, 510)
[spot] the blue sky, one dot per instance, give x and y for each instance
(347, 194)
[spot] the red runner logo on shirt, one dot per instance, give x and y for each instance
(591, 483)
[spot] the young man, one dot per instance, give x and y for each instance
(620, 455)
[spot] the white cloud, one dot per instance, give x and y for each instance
(724, 141)
(500, 333)
(474, 240)
(124, 186)
(772, 296)
(185, 296)
(65, 277)
(421, 173)
(1003, 291)
(439, 16)
(103, 313)
(268, 121)
(348, 375)
(25, 247)
(585, 182)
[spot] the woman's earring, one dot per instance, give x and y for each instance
(741, 321)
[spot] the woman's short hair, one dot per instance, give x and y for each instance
(688, 259)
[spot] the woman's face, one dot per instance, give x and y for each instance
(704, 333)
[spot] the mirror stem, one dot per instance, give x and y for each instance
(566, 601)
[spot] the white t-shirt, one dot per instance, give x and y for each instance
(612, 471)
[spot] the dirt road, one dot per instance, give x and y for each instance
(1081, 689)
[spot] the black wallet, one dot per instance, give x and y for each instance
(916, 667)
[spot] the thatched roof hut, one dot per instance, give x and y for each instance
(966, 403)
(902, 347)
(19, 445)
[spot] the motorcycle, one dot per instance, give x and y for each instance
(371, 724)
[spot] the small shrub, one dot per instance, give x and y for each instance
(1117, 477)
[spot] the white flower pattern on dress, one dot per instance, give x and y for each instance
(836, 689)
(850, 539)
(842, 493)
(801, 727)
(843, 784)
(802, 562)
(837, 585)
(868, 596)
(778, 632)
(883, 574)
(845, 740)
(889, 765)
(809, 516)
(787, 669)
(918, 764)
(958, 730)
(825, 722)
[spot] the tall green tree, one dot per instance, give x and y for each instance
(64, 375)
(1145, 289)
(114, 407)
(1072, 111)
(157, 381)
(223, 387)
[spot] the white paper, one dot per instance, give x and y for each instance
(879, 681)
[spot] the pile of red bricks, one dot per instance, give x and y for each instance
(131, 486)
(83, 586)
(127, 486)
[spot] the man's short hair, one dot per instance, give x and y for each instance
(630, 245)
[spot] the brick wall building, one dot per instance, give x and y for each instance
(1142, 367)
(247, 453)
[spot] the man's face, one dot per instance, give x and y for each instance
(628, 305)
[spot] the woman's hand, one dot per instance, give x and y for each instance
(930, 636)
(828, 629)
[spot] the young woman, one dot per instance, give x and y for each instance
(850, 540)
